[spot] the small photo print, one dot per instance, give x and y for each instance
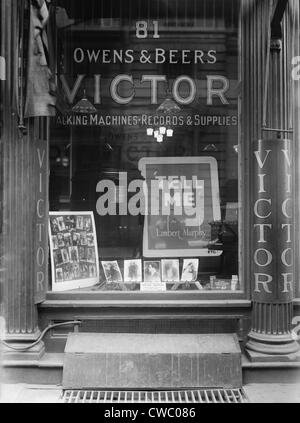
(132, 270)
(59, 275)
(61, 224)
(92, 271)
(67, 240)
(54, 225)
(82, 253)
(84, 270)
(112, 271)
(87, 224)
(90, 239)
(58, 259)
(68, 275)
(170, 270)
(76, 270)
(79, 222)
(55, 242)
(73, 253)
(75, 239)
(60, 240)
(65, 255)
(70, 223)
(83, 238)
(190, 270)
(91, 255)
(152, 271)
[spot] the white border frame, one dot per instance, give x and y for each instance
(163, 262)
(197, 252)
(144, 271)
(185, 261)
(79, 283)
(105, 273)
(127, 261)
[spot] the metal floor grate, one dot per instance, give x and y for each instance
(188, 396)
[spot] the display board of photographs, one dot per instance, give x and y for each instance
(162, 275)
(73, 249)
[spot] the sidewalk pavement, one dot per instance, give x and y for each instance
(22, 393)
(256, 393)
(273, 392)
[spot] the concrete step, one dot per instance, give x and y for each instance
(49, 371)
(158, 361)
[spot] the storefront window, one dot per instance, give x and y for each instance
(146, 142)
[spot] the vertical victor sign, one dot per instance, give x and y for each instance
(41, 171)
(273, 222)
(273, 248)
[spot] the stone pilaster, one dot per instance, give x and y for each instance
(19, 237)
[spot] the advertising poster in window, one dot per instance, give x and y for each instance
(182, 200)
(73, 249)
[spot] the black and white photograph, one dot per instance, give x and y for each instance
(150, 205)
(70, 223)
(84, 270)
(87, 224)
(55, 242)
(67, 274)
(65, 255)
(67, 239)
(92, 270)
(91, 255)
(152, 271)
(61, 224)
(90, 239)
(76, 271)
(59, 275)
(83, 238)
(73, 253)
(132, 270)
(112, 271)
(58, 258)
(170, 270)
(79, 263)
(54, 225)
(79, 222)
(60, 240)
(82, 253)
(190, 270)
(75, 238)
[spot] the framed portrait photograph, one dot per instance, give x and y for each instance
(170, 270)
(133, 271)
(152, 271)
(190, 270)
(112, 271)
(73, 251)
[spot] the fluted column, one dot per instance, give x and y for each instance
(272, 179)
(25, 181)
(273, 249)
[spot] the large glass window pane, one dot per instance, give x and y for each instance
(147, 138)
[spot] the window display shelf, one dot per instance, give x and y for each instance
(175, 299)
